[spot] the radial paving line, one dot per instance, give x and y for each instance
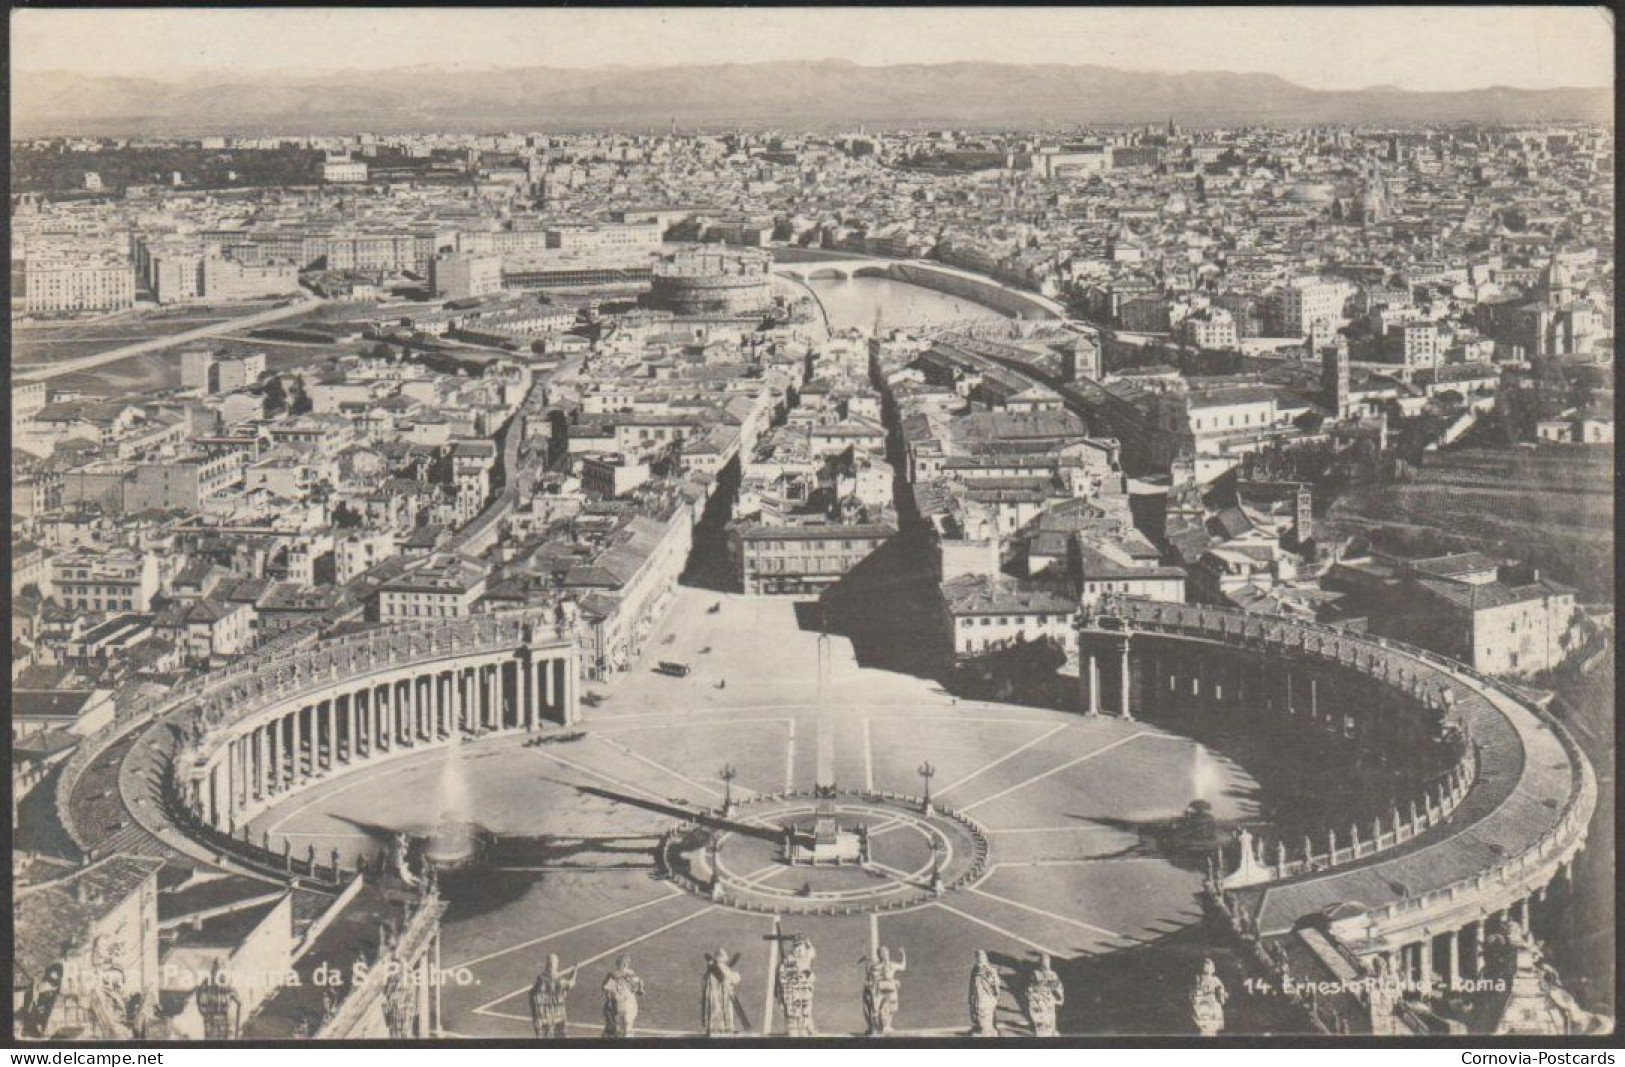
(317, 796)
(678, 725)
(1008, 755)
(1001, 930)
(611, 779)
(1054, 770)
(476, 961)
(1055, 830)
(617, 746)
(1048, 914)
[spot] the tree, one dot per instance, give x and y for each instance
(276, 397)
(299, 403)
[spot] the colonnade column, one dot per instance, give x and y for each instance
(267, 745)
(442, 703)
(550, 687)
(381, 733)
(1128, 684)
(570, 668)
(209, 813)
(1450, 965)
(459, 699)
(529, 691)
(328, 754)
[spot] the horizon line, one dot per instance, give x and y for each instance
(182, 73)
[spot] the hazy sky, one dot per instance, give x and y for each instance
(1327, 48)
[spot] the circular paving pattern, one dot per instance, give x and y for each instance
(912, 857)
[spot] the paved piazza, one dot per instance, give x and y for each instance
(1063, 802)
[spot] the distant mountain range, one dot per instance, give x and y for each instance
(801, 94)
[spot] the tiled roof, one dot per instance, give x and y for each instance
(980, 594)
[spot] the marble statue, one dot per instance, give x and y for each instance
(985, 988)
(1207, 1000)
(622, 988)
(547, 998)
(721, 1014)
(881, 989)
(1045, 995)
(796, 980)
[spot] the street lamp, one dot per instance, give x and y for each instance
(927, 772)
(728, 775)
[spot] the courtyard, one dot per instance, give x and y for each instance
(1073, 810)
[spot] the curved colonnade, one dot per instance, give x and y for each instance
(222, 750)
(1505, 816)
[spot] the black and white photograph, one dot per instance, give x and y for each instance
(867, 525)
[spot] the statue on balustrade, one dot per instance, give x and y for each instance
(882, 990)
(547, 997)
(622, 988)
(1045, 995)
(1208, 997)
(985, 987)
(795, 984)
(721, 1014)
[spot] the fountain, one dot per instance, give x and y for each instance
(454, 840)
(1205, 777)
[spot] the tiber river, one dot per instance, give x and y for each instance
(853, 302)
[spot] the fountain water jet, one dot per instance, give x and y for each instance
(454, 840)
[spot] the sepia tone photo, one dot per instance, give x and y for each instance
(808, 524)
